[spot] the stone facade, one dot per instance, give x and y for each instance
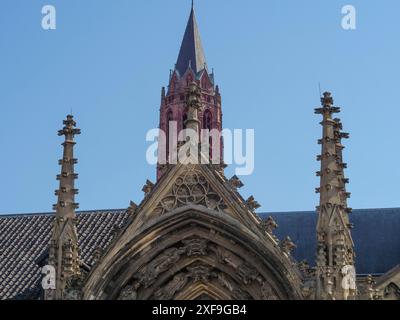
(193, 236)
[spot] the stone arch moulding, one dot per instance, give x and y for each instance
(194, 253)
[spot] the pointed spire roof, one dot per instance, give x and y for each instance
(64, 250)
(335, 247)
(191, 52)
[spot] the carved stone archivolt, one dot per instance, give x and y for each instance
(200, 273)
(175, 285)
(195, 247)
(191, 188)
(129, 293)
(229, 272)
(267, 292)
(73, 289)
(190, 247)
(195, 253)
(391, 292)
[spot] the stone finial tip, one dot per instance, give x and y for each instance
(327, 94)
(327, 99)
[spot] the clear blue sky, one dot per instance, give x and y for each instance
(108, 60)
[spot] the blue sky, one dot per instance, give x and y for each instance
(108, 60)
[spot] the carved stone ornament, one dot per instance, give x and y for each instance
(391, 292)
(174, 286)
(372, 293)
(148, 187)
(349, 281)
(247, 273)
(97, 254)
(73, 290)
(200, 273)
(236, 183)
(191, 188)
(238, 293)
(223, 279)
(252, 204)
(129, 293)
(267, 292)
(232, 274)
(288, 245)
(162, 263)
(308, 289)
(132, 208)
(305, 269)
(269, 225)
(194, 97)
(195, 247)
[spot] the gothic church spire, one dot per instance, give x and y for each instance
(64, 251)
(335, 248)
(191, 53)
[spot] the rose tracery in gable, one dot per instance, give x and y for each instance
(191, 188)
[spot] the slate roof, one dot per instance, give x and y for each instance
(191, 48)
(24, 240)
(376, 237)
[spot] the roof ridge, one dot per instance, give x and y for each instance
(21, 215)
(359, 211)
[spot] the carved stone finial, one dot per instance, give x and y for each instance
(252, 204)
(148, 187)
(236, 183)
(132, 207)
(327, 99)
(269, 225)
(371, 291)
(327, 107)
(333, 205)
(288, 245)
(304, 267)
(98, 252)
(64, 250)
(69, 128)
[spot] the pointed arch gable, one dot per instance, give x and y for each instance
(194, 248)
(222, 197)
(205, 80)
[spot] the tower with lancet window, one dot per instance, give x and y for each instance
(191, 67)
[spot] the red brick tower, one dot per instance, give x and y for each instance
(191, 67)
